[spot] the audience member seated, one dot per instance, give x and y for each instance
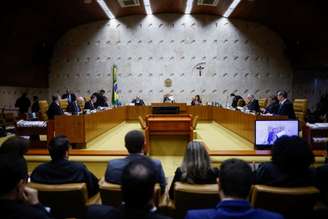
(138, 101)
(273, 105)
(286, 107)
(138, 184)
(134, 142)
(73, 107)
(91, 104)
(235, 181)
(60, 170)
(15, 146)
(235, 100)
(252, 103)
(54, 108)
(196, 100)
(290, 165)
(16, 200)
(35, 105)
(195, 168)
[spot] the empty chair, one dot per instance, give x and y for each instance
(63, 103)
(111, 193)
(263, 102)
(191, 196)
(43, 110)
(65, 200)
(300, 108)
(291, 202)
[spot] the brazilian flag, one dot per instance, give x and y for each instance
(115, 87)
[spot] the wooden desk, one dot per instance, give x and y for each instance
(182, 106)
(83, 128)
(243, 124)
(167, 125)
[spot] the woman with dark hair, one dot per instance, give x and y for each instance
(196, 100)
(290, 165)
(195, 168)
(272, 106)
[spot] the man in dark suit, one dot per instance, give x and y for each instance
(235, 100)
(138, 184)
(23, 103)
(134, 142)
(286, 107)
(90, 105)
(69, 96)
(235, 181)
(138, 101)
(54, 108)
(252, 103)
(16, 199)
(73, 107)
(61, 171)
(101, 99)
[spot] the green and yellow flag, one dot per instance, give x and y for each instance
(115, 87)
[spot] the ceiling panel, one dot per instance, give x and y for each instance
(219, 9)
(168, 6)
(119, 11)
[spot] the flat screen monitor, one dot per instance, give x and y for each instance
(166, 110)
(267, 131)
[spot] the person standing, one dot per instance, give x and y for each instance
(23, 103)
(286, 107)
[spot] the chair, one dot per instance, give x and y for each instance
(300, 107)
(86, 98)
(263, 102)
(190, 196)
(63, 104)
(81, 102)
(111, 193)
(287, 201)
(65, 200)
(195, 122)
(142, 122)
(43, 110)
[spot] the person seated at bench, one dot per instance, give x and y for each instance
(134, 143)
(91, 104)
(290, 165)
(195, 168)
(54, 108)
(16, 200)
(61, 171)
(235, 181)
(138, 185)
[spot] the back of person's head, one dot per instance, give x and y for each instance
(134, 141)
(291, 154)
(102, 91)
(15, 146)
(138, 182)
(58, 147)
(196, 162)
(235, 178)
(12, 172)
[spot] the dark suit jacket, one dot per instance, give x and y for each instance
(272, 108)
(212, 174)
(235, 101)
(287, 109)
(115, 168)
(101, 101)
(14, 210)
(139, 102)
(89, 105)
(69, 97)
(65, 171)
(228, 209)
(270, 174)
(253, 106)
(54, 110)
(23, 103)
(73, 108)
(107, 212)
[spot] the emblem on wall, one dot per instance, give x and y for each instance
(168, 82)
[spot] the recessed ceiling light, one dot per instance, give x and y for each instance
(105, 8)
(189, 6)
(231, 8)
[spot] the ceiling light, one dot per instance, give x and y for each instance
(105, 8)
(189, 6)
(147, 7)
(231, 8)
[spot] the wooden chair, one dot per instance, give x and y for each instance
(81, 103)
(287, 201)
(300, 108)
(263, 102)
(189, 196)
(142, 123)
(195, 122)
(63, 104)
(65, 200)
(43, 110)
(111, 193)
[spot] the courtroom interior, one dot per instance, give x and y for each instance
(189, 92)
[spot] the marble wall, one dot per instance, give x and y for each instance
(233, 55)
